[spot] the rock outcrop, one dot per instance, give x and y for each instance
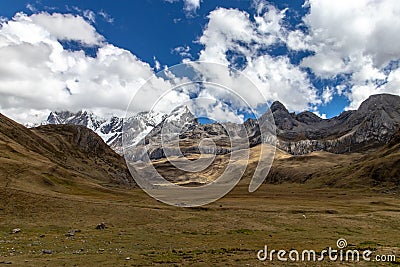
(374, 123)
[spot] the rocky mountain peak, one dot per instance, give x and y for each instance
(181, 109)
(58, 117)
(278, 106)
(381, 101)
(308, 117)
(180, 114)
(374, 123)
(283, 119)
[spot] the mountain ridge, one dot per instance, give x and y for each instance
(56, 157)
(376, 120)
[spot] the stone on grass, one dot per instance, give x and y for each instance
(16, 230)
(101, 226)
(47, 251)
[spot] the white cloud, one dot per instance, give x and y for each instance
(276, 77)
(89, 15)
(39, 75)
(393, 85)
(279, 80)
(356, 38)
(106, 16)
(210, 106)
(219, 36)
(176, 20)
(27, 116)
(157, 65)
(183, 51)
(223, 113)
(65, 27)
(189, 6)
(327, 94)
(31, 7)
(322, 116)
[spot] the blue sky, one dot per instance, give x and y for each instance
(149, 28)
(336, 73)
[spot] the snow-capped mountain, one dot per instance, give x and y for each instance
(137, 127)
(110, 130)
(179, 120)
(374, 123)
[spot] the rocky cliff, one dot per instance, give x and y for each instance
(373, 124)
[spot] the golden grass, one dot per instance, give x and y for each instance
(309, 202)
(227, 232)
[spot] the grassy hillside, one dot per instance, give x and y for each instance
(57, 183)
(55, 158)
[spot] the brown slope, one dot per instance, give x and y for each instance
(62, 158)
(377, 168)
(381, 166)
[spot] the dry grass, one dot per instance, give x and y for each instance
(227, 232)
(309, 203)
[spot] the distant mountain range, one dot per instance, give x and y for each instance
(110, 130)
(69, 158)
(373, 124)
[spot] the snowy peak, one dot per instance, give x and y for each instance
(181, 115)
(58, 117)
(83, 117)
(180, 110)
(110, 130)
(138, 126)
(150, 118)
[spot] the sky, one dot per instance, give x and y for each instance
(316, 55)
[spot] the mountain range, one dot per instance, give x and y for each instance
(110, 130)
(373, 124)
(70, 157)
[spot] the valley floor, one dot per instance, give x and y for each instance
(141, 231)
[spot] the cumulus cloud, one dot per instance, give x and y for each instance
(352, 43)
(189, 6)
(354, 38)
(39, 75)
(65, 27)
(276, 77)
